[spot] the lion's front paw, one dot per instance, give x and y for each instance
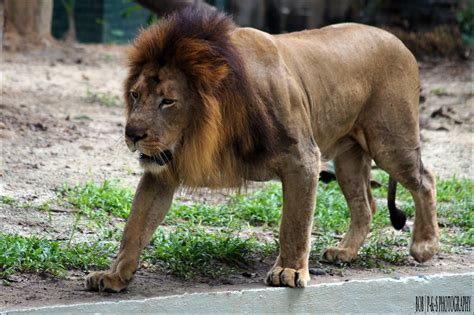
(335, 254)
(288, 277)
(105, 281)
(424, 250)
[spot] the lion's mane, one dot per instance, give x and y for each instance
(233, 127)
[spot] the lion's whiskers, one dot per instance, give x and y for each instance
(118, 146)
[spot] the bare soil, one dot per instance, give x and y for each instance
(53, 132)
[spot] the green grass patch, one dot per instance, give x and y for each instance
(189, 251)
(331, 214)
(380, 249)
(32, 254)
(205, 214)
(8, 200)
(259, 208)
(99, 200)
(104, 99)
(262, 207)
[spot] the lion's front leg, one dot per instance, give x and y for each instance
(299, 195)
(150, 205)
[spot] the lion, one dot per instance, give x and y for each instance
(209, 104)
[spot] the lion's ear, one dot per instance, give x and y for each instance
(205, 66)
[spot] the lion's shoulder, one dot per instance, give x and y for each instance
(255, 45)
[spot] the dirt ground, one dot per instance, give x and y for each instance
(52, 131)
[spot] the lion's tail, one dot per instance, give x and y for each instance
(397, 216)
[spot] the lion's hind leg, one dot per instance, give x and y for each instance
(397, 152)
(425, 239)
(353, 175)
(407, 168)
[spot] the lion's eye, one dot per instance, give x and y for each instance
(166, 102)
(134, 95)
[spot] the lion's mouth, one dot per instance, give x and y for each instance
(161, 158)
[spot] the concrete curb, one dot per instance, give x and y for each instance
(359, 296)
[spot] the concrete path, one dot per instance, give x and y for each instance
(430, 294)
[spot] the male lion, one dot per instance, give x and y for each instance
(210, 104)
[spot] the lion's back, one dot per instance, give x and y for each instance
(330, 72)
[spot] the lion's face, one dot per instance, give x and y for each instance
(158, 111)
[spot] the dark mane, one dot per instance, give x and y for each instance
(198, 43)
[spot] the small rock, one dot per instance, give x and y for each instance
(13, 278)
(86, 147)
(317, 271)
(6, 134)
(40, 126)
(422, 98)
(227, 281)
(250, 274)
(442, 128)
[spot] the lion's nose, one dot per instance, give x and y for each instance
(135, 134)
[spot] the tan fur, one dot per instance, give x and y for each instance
(252, 106)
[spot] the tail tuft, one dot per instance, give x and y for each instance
(397, 217)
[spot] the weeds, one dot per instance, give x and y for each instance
(190, 251)
(8, 200)
(20, 254)
(99, 201)
(382, 248)
(211, 215)
(262, 207)
(195, 248)
(439, 92)
(104, 99)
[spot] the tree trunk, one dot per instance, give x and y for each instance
(28, 23)
(70, 36)
(2, 21)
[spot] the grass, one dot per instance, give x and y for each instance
(8, 200)
(32, 254)
(104, 99)
(440, 92)
(262, 207)
(382, 249)
(98, 201)
(191, 250)
(212, 240)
